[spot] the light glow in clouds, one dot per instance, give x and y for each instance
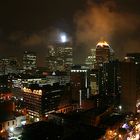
(63, 38)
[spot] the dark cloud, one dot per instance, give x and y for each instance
(111, 21)
(19, 41)
(32, 40)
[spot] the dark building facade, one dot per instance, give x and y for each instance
(130, 86)
(133, 57)
(79, 81)
(109, 78)
(39, 101)
(108, 85)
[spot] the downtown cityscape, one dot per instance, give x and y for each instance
(70, 70)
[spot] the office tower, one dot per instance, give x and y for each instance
(79, 81)
(94, 82)
(91, 59)
(105, 82)
(104, 53)
(109, 78)
(29, 60)
(59, 57)
(40, 100)
(9, 65)
(68, 58)
(51, 63)
(130, 83)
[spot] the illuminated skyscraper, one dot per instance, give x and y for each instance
(104, 53)
(51, 63)
(68, 57)
(59, 57)
(91, 59)
(8, 65)
(29, 60)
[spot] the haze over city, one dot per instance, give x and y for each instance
(31, 25)
(70, 70)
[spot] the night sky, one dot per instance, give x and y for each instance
(31, 24)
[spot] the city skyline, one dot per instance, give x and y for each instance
(31, 25)
(69, 69)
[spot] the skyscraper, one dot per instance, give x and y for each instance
(130, 83)
(104, 53)
(59, 57)
(29, 60)
(51, 63)
(8, 65)
(91, 59)
(79, 80)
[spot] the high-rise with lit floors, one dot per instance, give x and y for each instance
(90, 61)
(29, 60)
(9, 65)
(104, 53)
(51, 63)
(59, 57)
(107, 75)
